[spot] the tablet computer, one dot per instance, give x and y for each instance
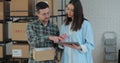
(69, 43)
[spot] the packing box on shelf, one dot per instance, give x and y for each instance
(17, 60)
(5, 33)
(21, 7)
(19, 31)
(4, 9)
(1, 11)
(1, 32)
(42, 54)
(1, 52)
(53, 5)
(20, 51)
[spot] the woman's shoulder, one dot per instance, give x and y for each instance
(86, 22)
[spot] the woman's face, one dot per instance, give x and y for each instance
(70, 10)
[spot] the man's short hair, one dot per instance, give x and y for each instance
(41, 5)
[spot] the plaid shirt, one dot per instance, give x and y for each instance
(38, 34)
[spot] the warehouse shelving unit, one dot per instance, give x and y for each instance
(4, 30)
(53, 19)
(110, 47)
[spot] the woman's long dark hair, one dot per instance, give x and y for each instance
(78, 16)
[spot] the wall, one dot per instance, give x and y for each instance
(104, 16)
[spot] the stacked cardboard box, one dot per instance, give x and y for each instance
(1, 33)
(1, 11)
(42, 54)
(17, 60)
(5, 37)
(21, 7)
(1, 52)
(20, 51)
(19, 31)
(53, 5)
(5, 9)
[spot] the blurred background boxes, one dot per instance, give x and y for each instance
(17, 60)
(1, 52)
(1, 32)
(5, 37)
(22, 8)
(20, 51)
(25, 8)
(53, 5)
(19, 31)
(7, 9)
(1, 10)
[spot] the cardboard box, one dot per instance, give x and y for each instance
(53, 5)
(20, 51)
(5, 9)
(1, 52)
(17, 60)
(19, 31)
(19, 13)
(42, 54)
(1, 32)
(5, 37)
(26, 9)
(1, 11)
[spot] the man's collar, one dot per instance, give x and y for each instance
(42, 23)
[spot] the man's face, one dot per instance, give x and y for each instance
(43, 14)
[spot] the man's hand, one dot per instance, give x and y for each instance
(55, 39)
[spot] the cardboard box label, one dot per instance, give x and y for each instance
(17, 53)
(20, 51)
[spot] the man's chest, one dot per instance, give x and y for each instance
(42, 30)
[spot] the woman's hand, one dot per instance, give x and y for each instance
(73, 46)
(62, 37)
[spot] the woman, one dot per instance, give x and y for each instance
(77, 29)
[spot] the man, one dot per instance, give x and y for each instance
(41, 33)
